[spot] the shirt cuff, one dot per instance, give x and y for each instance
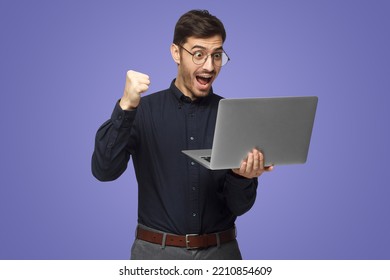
(122, 118)
(238, 180)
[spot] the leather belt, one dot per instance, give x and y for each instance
(189, 241)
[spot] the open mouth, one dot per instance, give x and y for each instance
(204, 79)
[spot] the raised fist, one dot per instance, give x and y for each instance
(136, 84)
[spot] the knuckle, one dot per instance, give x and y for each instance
(130, 73)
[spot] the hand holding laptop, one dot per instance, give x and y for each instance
(253, 165)
(279, 127)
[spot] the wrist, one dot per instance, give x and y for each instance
(237, 175)
(126, 105)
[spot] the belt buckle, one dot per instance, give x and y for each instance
(188, 242)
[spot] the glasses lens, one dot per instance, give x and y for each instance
(199, 57)
(219, 59)
(224, 59)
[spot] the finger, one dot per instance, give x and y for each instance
(133, 73)
(142, 88)
(256, 160)
(243, 166)
(249, 165)
(261, 160)
(144, 79)
(269, 168)
(142, 76)
(137, 77)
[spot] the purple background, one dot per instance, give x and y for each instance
(63, 66)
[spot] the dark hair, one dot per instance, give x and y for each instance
(197, 23)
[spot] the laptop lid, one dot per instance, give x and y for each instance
(280, 127)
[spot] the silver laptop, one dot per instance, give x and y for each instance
(280, 127)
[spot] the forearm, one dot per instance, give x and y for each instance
(111, 153)
(240, 193)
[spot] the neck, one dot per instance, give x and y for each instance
(180, 85)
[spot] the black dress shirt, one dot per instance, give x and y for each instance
(175, 194)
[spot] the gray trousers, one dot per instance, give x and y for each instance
(143, 250)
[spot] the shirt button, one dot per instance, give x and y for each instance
(192, 163)
(193, 214)
(192, 138)
(194, 188)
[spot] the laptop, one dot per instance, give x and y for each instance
(280, 127)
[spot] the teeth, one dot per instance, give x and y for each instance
(205, 76)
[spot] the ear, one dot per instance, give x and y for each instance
(175, 52)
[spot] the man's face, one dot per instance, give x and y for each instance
(195, 80)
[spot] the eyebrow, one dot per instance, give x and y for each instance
(204, 48)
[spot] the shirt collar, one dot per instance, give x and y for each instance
(181, 97)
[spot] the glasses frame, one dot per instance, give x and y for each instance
(210, 54)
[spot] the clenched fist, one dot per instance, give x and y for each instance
(136, 84)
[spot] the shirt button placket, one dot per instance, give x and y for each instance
(194, 171)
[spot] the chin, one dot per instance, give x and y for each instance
(201, 94)
(198, 93)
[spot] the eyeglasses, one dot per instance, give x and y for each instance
(199, 57)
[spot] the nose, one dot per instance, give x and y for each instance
(208, 64)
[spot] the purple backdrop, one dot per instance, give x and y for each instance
(63, 66)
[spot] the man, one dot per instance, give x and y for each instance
(185, 211)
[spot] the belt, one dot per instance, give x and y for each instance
(189, 241)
